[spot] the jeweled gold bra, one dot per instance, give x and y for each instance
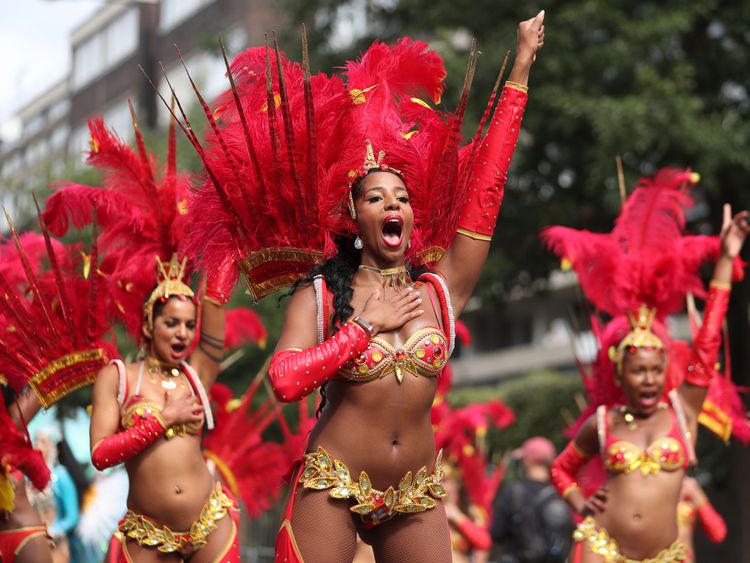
(424, 353)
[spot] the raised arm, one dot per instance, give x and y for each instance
(207, 356)
(464, 260)
(707, 342)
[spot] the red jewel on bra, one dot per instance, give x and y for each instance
(361, 359)
(400, 354)
(437, 351)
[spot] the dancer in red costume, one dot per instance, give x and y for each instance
(647, 390)
(150, 414)
(695, 508)
(340, 185)
(50, 344)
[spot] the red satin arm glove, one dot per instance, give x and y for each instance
(120, 447)
(565, 467)
(479, 214)
(295, 373)
(477, 536)
(708, 340)
(712, 523)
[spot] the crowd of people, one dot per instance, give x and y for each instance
(357, 196)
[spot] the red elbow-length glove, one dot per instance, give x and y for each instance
(708, 340)
(295, 373)
(477, 536)
(565, 467)
(712, 523)
(120, 447)
(480, 211)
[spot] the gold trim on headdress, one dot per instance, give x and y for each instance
(370, 163)
(170, 283)
(640, 336)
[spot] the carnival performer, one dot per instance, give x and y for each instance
(694, 507)
(340, 184)
(647, 390)
(51, 343)
(149, 415)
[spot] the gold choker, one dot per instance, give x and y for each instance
(167, 372)
(396, 277)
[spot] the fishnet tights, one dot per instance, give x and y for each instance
(326, 532)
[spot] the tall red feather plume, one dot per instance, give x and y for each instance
(140, 214)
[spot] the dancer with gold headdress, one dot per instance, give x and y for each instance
(646, 389)
(150, 414)
(339, 185)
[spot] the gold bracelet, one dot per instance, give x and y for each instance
(718, 284)
(472, 234)
(517, 86)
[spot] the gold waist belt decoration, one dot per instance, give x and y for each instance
(149, 534)
(415, 493)
(602, 544)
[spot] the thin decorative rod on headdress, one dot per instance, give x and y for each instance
(243, 120)
(28, 270)
(193, 138)
(93, 278)
(621, 180)
(233, 164)
(62, 294)
(150, 184)
(312, 131)
(273, 134)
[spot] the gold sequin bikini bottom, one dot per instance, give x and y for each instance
(414, 493)
(600, 543)
(150, 534)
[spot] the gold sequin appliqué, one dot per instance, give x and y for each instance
(148, 534)
(602, 544)
(415, 493)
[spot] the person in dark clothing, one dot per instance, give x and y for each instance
(530, 523)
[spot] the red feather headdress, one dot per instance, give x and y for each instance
(53, 322)
(141, 215)
(645, 260)
(284, 147)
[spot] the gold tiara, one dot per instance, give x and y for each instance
(370, 163)
(640, 336)
(169, 276)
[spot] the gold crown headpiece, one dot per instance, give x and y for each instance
(370, 163)
(640, 336)
(169, 279)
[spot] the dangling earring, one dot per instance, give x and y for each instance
(408, 243)
(358, 244)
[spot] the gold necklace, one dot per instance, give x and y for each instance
(396, 277)
(629, 417)
(166, 373)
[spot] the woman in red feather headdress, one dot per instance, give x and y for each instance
(150, 414)
(340, 184)
(646, 391)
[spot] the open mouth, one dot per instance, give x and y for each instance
(393, 227)
(178, 348)
(648, 398)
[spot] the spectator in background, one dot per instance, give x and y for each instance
(531, 524)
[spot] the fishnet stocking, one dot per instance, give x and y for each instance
(323, 527)
(412, 537)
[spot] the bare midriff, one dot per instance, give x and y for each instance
(381, 426)
(169, 482)
(641, 512)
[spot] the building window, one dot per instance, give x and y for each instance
(108, 46)
(175, 11)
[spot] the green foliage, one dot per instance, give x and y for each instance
(544, 403)
(660, 83)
